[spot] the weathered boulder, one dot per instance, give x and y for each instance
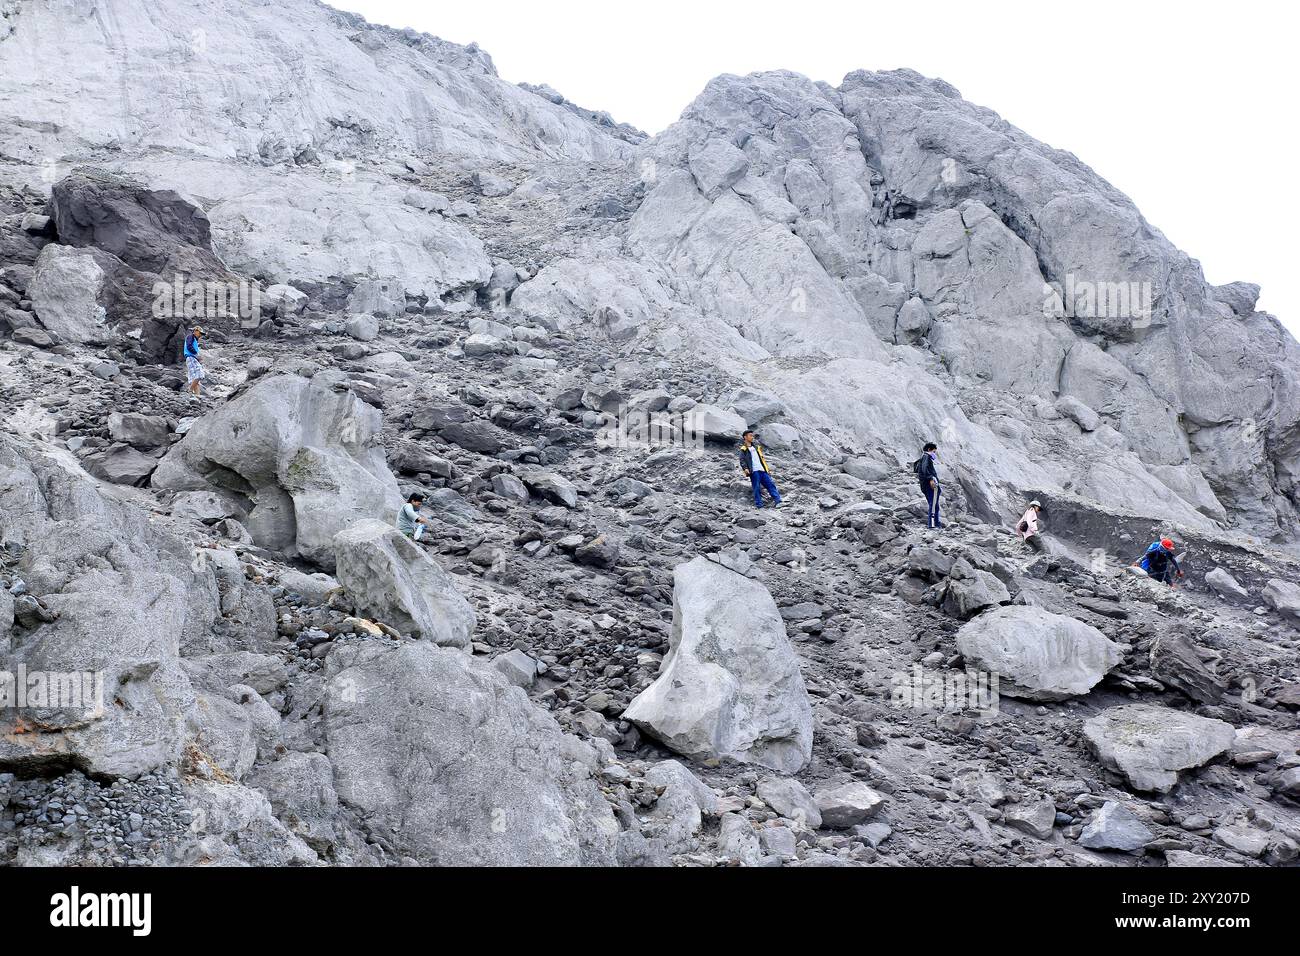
(789, 798)
(150, 230)
(549, 485)
(1036, 654)
(1175, 660)
(710, 421)
(66, 290)
(392, 579)
(1225, 584)
(121, 599)
(120, 465)
(1149, 745)
(848, 805)
(678, 813)
(970, 590)
(363, 327)
(730, 685)
(1283, 597)
(141, 431)
(1034, 814)
(303, 456)
(1115, 827)
(454, 765)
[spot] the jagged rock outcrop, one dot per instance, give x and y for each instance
(730, 685)
(544, 303)
(118, 601)
(452, 763)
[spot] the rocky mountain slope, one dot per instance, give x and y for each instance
(555, 327)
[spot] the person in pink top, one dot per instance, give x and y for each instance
(1028, 527)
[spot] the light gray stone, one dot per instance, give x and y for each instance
(730, 685)
(394, 580)
(1036, 654)
(1149, 745)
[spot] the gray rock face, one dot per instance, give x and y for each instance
(456, 766)
(1034, 815)
(1148, 745)
(1115, 827)
(789, 798)
(150, 230)
(142, 431)
(127, 619)
(392, 579)
(1038, 655)
(1283, 597)
(848, 805)
(730, 685)
(304, 456)
(1224, 583)
(66, 289)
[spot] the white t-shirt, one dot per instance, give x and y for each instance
(406, 519)
(755, 463)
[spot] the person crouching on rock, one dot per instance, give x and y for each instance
(1160, 563)
(193, 368)
(927, 473)
(409, 521)
(754, 464)
(1028, 527)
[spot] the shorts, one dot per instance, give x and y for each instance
(194, 369)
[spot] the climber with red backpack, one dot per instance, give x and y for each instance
(1160, 562)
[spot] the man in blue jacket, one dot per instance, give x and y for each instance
(1159, 562)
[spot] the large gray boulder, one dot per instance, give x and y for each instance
(154, 231)
(1038, 655)
(730, 685)
(454, 766)
(392, 579)
(122, 600)
(1283, 597)
(303, 456)
(66, 290)
(1148, 745)
(1226, 585)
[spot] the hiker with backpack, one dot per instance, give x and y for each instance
(1028, 529)
(928, 475)
(1160, 562)
(754, 464)
(193, 368)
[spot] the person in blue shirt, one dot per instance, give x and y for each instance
(194, 368)
(1159, 562)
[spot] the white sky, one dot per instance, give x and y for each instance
(1189, 108)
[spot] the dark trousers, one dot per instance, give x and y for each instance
(932, 501)
(762, 481)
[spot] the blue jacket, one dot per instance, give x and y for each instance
(1157, 559)
(191, 346)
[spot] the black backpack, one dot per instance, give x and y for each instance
(916, 466)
